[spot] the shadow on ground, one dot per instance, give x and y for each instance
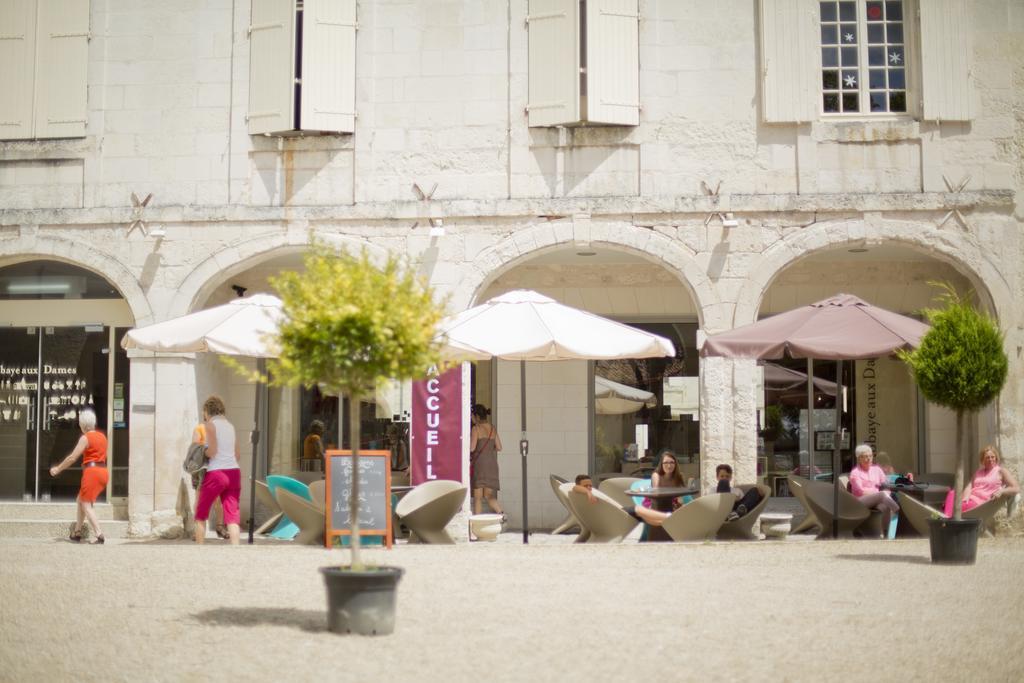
(909, 559)
(304, 620)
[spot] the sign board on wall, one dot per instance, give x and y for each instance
(436, 428)
(374, 494)
(887, 410)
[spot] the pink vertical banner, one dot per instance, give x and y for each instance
(436, 429)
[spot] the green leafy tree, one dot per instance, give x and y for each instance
(960, 365)
(349, 323)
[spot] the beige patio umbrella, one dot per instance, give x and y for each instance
(613, 398)
(842, 327)
(526, 326)
(241, 327)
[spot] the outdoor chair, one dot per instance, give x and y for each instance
(743, 528)
(616, 487)
(796, 487)
(286, 529)
(604, 518)
(852, 513)
(306, 515)
(318, 494)
(699, 519)
(428, 508)
(570, 522)
(561, 492)
(918, 513)
(264, 496)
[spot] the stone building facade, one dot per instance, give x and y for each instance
(736, 193)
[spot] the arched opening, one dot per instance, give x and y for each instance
(62, 354)
(880, 402)
(610, 417)
(292, 412)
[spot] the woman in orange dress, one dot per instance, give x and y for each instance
(92, 448)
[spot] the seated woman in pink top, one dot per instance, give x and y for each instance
(866, 481)
(989, 481)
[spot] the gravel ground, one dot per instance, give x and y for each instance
(792, 610)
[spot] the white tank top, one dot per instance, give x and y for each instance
(224, 458)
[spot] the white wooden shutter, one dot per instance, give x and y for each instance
(328, 66)
(554, 37)
(790, 59)
(613, 62)
(17, 67)
(271, 67)
(62, 67)
(945, 60)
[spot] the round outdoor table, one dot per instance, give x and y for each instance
(661, 500)
(929, 494)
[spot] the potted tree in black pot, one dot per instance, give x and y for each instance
(960, 365)
(348, 324)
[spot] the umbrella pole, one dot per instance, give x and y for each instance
(810, 420)
(261, 368)
(836, 445)
(524, 444)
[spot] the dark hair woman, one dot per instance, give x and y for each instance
(484, 444)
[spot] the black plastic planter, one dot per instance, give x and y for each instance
(954, 541)
(361, 602)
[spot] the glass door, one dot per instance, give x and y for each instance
(19, 393)
(74, 376)
(48, 375)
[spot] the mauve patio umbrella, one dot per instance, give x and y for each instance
(842, 327)
(526, 326)
(241, 327)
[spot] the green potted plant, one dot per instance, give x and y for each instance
(349, 323)
(960, 365)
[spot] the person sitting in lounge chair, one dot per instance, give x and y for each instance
(744, 501)
(866, 481)
(989, 481)
(585, 485)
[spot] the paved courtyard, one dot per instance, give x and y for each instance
(793, 610)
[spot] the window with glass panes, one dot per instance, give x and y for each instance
(863, 57)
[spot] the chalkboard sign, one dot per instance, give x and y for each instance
(374, 494)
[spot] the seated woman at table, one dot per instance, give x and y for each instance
(989, 481)
(866, 481)
(666, 475)
(585, 485)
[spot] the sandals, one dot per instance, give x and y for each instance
(73, 536)
(98, 541)
(221, 530)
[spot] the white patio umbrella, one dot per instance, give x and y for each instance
(526, 326)
(613, 398)
(241, 327)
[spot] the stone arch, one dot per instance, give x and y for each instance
(84, 255)
(529, 242)
(957, 249)
(242, 255)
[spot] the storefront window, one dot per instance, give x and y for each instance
(643, 406)
(52, 367)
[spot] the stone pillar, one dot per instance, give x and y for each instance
(163, 415)
(728, 419)
(716, 417)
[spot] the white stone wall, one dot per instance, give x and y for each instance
(441, 92)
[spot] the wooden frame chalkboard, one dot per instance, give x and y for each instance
(374, 489)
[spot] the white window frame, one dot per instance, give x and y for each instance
(911, 24)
